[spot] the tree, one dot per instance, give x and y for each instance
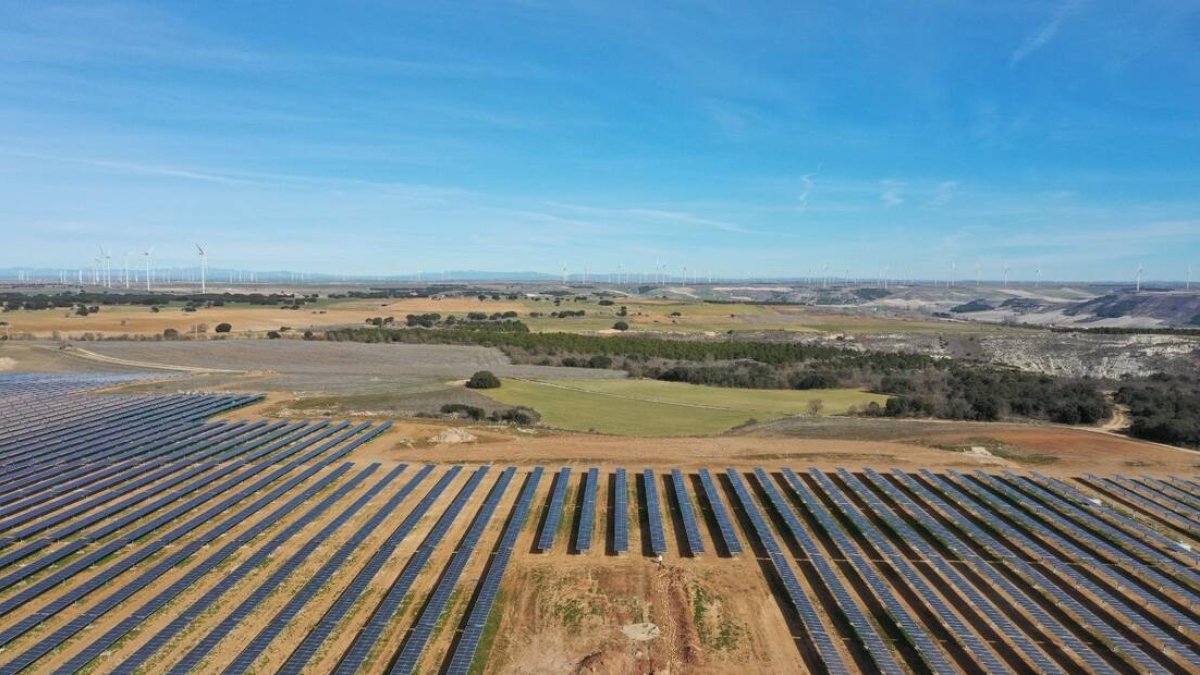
(483, 379)
(815, 406)
(273, 335)
(171, 334)
(621, 325)
(223, 328)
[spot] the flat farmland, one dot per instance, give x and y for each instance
(655, 408)
(642, 314)
(331, 367)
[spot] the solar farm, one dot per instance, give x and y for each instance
(143, 533)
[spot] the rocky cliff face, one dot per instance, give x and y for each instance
(1065, 354)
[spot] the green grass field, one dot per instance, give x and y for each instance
(654, 408)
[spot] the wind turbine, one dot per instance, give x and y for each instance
(147, 253)
(1006, 269)
(978, 274)
(105, 268)
(126, 270)
(203, 268)
(1037, 281)
(1138, 288)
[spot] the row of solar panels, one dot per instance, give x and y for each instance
(618, 513)
(975, 499)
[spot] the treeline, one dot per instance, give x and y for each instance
(33, 301)
(641, 349)
(1164, 408)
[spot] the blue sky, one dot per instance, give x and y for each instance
(746, 139)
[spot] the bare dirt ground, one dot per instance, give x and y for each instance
(119, 320)
(1053, 450)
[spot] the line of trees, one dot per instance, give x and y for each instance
(34, 301)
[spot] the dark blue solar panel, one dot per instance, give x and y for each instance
(353, 593)
(489, 585)
(587, 513)
(658, 537)
(352, 661)
(687, 514)
(554, 513)
(724, 524)
(422, 630)
(620, 514)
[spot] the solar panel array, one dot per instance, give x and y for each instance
(687, 514)
(121, 519)
(410, 654)
(587, 511)
(489, 586)
(725, 528)
(620, 514)
(658, 537)
(558, 496)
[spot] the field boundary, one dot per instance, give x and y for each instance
(93, 356)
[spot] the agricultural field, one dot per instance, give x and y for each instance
(656, 408)
(156, 533)
(641, 313)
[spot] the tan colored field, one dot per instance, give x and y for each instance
(643, 315)
(138, 320)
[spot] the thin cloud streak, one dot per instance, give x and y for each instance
(892, 194)
(1044, 33)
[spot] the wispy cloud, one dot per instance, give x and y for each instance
(942, 194)
(808, 184)
(1044, 33)
(654, 214)
(893, 193)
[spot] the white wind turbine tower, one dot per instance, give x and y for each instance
(105, 268)
(1037, 281)
(126, 270)
(1006, 269)
(1138, 287)
(203, 268)
(147, 253)
(978, 274)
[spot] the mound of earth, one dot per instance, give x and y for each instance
(453, 436)
(641, 632)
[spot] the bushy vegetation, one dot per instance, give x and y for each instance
(989, 394)
(972, 306)
(483, 379)
(1164, 408)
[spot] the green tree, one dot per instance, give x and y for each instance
(483, 379)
